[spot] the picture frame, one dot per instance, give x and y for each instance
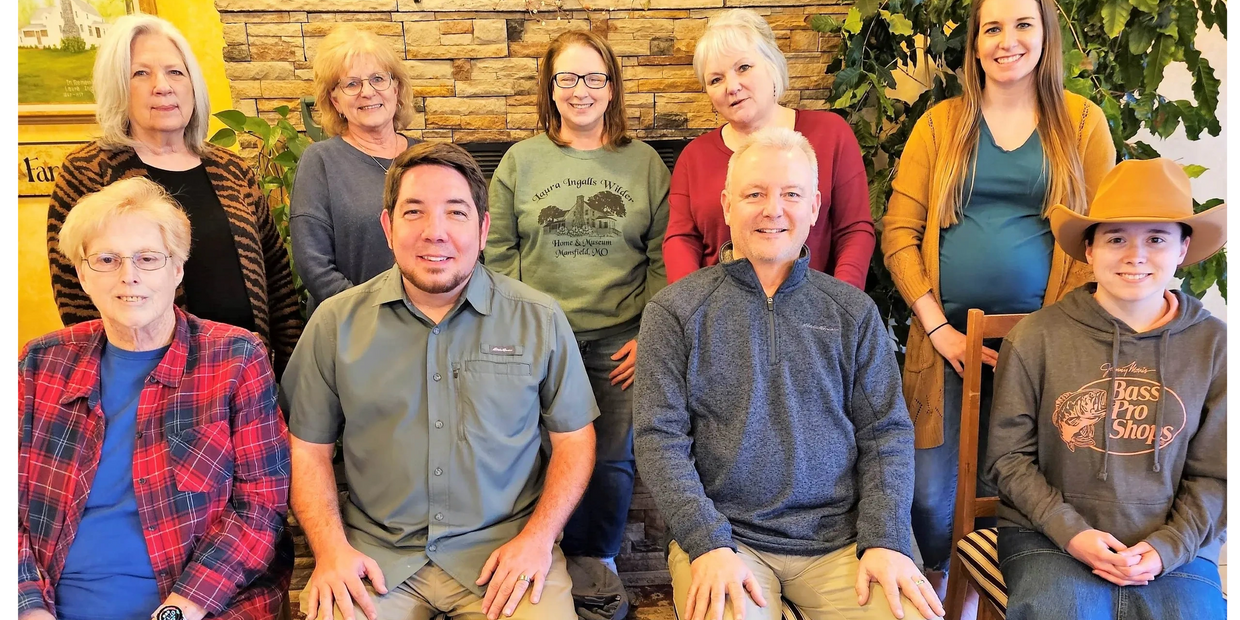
(67, 99)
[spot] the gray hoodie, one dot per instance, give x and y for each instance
(775, 421)
(1095, 426)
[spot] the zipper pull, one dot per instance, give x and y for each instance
(770, 304)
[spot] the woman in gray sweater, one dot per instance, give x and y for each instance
(579, 213)
(362, 89)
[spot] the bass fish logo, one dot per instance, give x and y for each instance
(1076, 413)
(1130, 425)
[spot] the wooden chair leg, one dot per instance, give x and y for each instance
(957, 589)
(986, 610)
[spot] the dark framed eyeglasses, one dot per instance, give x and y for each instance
(105, 262)
(594, 81)
(353, 86)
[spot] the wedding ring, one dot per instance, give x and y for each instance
(524, 578)
(919, 582)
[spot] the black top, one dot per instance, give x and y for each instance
(213, 284)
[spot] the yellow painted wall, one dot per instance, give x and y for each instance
(200, 23)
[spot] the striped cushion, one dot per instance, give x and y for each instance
(792, 613)
(980, 552)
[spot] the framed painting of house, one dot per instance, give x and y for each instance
(57, 41)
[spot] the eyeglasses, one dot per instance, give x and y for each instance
(594, 81)
(105, 262)
(353, 86)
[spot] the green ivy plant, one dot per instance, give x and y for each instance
(279, 150)
(1115, 53)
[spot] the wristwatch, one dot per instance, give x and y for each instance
(169, 612)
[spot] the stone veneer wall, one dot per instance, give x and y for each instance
(474, 64)
(474, 61)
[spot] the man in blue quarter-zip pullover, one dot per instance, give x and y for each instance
(769, 420)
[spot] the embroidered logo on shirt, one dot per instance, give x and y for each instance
(1131, 425)
(501, 349)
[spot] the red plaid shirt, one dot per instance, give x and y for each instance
(210, 466)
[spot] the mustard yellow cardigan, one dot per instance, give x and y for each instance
(911, 248)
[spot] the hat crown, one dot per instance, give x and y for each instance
(1155, 188)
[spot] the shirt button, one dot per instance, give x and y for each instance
(438, 423)
(438, 471)
(139, 434)
(435, 331)
(438, 376)
(431, 548)
(439, 516)
(141, 480)
(150, 528)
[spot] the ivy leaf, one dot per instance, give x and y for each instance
(1158, 59)
(1080, 86)
(1207, 205)
(285, 159)
(1144, 107)
(825, 23)
(1114, 16)
(1110, 109)
(852, 22)
(225, 137)
(1205, 90)
(1145, 6)
(1195, 170)
(1207, 15)
(1165, 120)
(282, 110)
(1220, 16)
(867, 8)
(232, 118)
(847, 79)
(898, 23)
(1140, 36)
(1193, 123)
(258, 127)
(1072, 61)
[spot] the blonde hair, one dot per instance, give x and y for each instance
(736, 31)
(1061, 160)
(781, 138)
(111, 77)
(615, 119)
(337, 51)
(138, 196)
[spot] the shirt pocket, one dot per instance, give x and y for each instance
(202, 458)
(495, 398)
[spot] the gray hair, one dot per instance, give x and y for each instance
(111, 82)
(781, 138)
(740, 30)
(137, 196)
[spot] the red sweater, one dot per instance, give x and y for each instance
(840, 243)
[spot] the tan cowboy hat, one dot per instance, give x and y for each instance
(1149, 190)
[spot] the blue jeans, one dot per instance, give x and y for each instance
(1045, 582)
(936, 469)
(596, 528)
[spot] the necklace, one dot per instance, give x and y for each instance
(374, 159)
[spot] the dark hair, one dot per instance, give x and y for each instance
(615, 124)
(1186, 231)
(436, 154)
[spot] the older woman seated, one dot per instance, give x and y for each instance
(154, 462)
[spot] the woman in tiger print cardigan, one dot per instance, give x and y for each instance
(152, 108)
(264, 259)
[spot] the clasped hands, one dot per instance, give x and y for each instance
(1115, 562)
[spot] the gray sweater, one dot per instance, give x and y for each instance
(334, 218)
(1097, 426)
(778, 422)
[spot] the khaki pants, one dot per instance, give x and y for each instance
(821, 587)
(431, 592)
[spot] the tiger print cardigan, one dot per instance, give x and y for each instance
(264, 259)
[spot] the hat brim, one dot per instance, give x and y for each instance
(1209, 231)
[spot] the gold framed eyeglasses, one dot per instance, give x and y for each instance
(148, 260)
(353, 86)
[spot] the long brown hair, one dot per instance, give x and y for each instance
(1061, 159)
(615, 123)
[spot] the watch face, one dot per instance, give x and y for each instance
(169, 612)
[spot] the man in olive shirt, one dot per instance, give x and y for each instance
(438, 375)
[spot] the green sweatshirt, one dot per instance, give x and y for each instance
(585, 227)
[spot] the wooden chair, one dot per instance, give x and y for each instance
(975, 564)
